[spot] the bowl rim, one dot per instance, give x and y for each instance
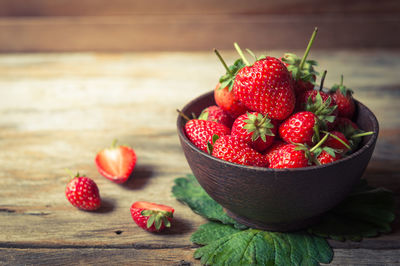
(370, 142)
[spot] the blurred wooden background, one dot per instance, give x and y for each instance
(176, 25)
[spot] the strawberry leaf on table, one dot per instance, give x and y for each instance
(226, 245)
(366, 212)
(189, 191)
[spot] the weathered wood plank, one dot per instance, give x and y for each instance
(179, 256)
(196, 32)
(174, 7)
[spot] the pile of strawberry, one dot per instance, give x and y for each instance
(271, 114)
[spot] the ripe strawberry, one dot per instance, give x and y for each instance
(265, 87)
(225, 99)
(321, 104)
(223, 93)
(83, 193)
(325, 157)
(344, 99)
(290, 156)
(302, 70)
(200, 132)
(299, 128)
(151, 216)
(116, 163)
(232, 149)
(254, 129)
(336, 140)
(273, 149)
(216, 114)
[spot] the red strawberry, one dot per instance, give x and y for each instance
(83, 193)
(223, 93)
(299, 128)
(265, 87)
(116, 163)
(200, 132)
(302, 70)
(225, 99)
(321, 104)
(273, 149)
(336, 140)
(324, 157)
(254, 129)
(232, 149)
(344, 99)
(290, 156)
(151, 216)
(216, 114)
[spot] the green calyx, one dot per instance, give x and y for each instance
(306, 73)
(301, 68)
(321, 109)
(157, 217)
(210, 145)
(228, 79)
(343, 89)
(260, 126)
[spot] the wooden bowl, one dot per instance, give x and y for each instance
(277, 199)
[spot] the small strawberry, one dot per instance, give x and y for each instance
(337, 141)
(322, 105)
(351, 131)
(344, 99)
(216, 114)
(299, 128)
(223, 93)
(265, 87)
(225, 99)
(116, 163)
(291, 156)
(326, 157)
(83, 193)
(151, 216)
(254, 129)
(232, 149)
(273, 149)
(200, 132)
(302, 70)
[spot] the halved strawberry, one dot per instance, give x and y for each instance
(116, 163)
(152, 217)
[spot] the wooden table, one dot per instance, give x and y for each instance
(58, 110)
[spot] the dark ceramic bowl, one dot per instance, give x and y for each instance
(277, 199)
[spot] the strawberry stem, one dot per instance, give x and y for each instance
(114, 144)
(252, 54)
(70, 173)
(223, 62)
(341, 80)
(338, 139)
(363, 134)
(240, 52)
(320, 142)
(183, 115)
(321, 86)
(303, 60)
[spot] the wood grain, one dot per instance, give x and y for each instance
(58, 110)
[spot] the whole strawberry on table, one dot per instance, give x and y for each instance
(271, 114)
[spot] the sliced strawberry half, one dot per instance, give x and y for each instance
(150, 216)
(116, 163)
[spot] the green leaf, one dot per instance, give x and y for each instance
(225, 245)
(150, 221)
(365, 213)
(189, 191)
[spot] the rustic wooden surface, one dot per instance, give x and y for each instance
(58, 110)
(174, 25)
